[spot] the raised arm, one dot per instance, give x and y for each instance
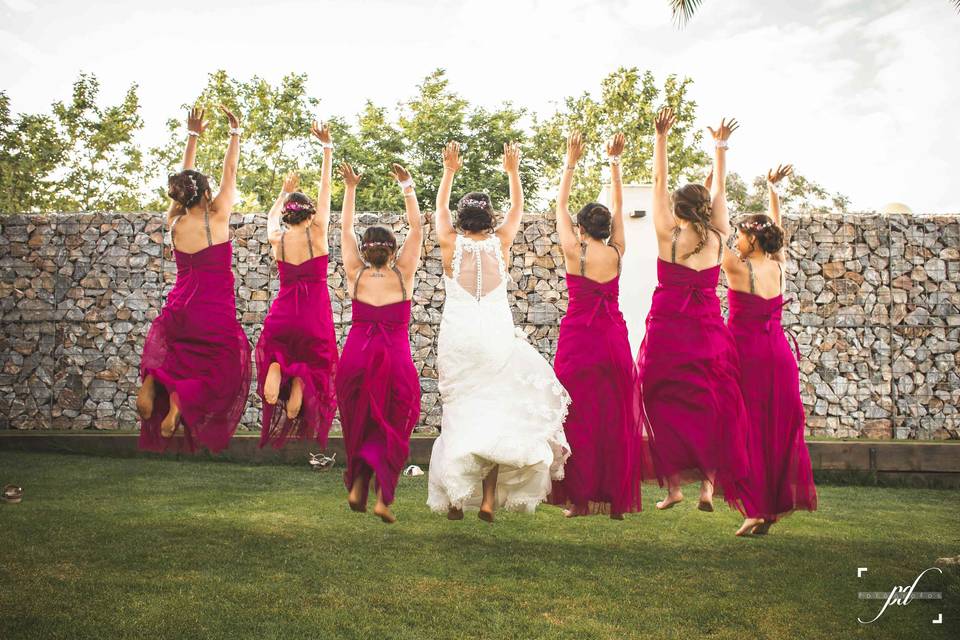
(322, 218)
(452, 162)
(720, 216)
(618, 237)
(408, 258)
(348, 239)
(228, 178)
(568, 237)
(663, 220)
(507, 230)
(774, 178)
(195, 128)
(275, 216)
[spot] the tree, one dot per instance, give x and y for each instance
(276, 124)
(802, 194)
(628, 102)
(100, 165)
(29, 153)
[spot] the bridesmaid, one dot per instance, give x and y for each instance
(378, 387)
(195, 368)
(688, 363)
(296, 354)
(781, 478)
(593, 360)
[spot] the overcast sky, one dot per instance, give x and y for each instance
(861, 95)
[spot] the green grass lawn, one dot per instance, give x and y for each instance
(152, 548)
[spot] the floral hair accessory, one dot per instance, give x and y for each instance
(296, 206)
(472, 202)
(754, 226)
(377, 244)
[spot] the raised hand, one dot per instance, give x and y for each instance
(452, 160)
(665, 119)
(725, 129)
(776, 175)
(350, 178)
(321, 132)
(195, 121)
(575, 146)
(231, 118)
(511, 157)
(399, 173)
(292, 182)
(616, 144)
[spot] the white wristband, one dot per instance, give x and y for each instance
(326, 145)
(778, 188)
(235, 131)
(722, 144)
(406, 183)
(193, 134)
(614, 159)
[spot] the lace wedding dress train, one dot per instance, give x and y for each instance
(502, 403)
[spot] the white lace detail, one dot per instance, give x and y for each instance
(502, 403)
(489, 245)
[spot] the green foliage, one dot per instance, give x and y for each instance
(29, 152)
(276, 124)
(628, 102)
(802, 194)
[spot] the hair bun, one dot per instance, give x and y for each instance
(475, 212)
(596, 220)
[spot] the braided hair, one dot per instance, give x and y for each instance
(692, 203)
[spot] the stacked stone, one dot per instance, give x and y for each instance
(875, 309)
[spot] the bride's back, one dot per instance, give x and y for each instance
(477, 265)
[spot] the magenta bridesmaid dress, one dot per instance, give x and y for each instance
(298, 334)
(196, 348)
(378, 392)
(689, 374)
(603, 425)
(781, 477)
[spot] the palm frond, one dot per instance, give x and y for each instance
(683, 10)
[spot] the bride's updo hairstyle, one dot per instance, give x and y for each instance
(188, 187)
(692, 202)
(297, 208)
(378, 245)
(762, 230)
(475, 212)
(595, 219)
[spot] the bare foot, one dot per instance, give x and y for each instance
(706, 496)
(383, 511)
(271, 386)
(454, 514)
(763, 528)
(616, 516)
(485, 514)
(145, 398)
(748, 525)
(357, 498)
(172, 420)
(570, 513)
(296, 398)
(670, 500)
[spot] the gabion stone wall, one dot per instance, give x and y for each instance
(875, 309)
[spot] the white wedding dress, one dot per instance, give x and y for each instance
(502, 403)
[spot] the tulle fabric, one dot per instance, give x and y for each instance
(689, 374)
(502, 402)
(298, 334)
(781, 476)
(378, 392)
(604, 428)
(197, 348)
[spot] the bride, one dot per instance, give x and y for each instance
(502, 439)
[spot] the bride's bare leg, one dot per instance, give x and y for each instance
(489, 495)
(454, 513)
(172, 420)
(146, 396)
(296, 398)
(271, 386)
(382, 509)
(674, 494)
